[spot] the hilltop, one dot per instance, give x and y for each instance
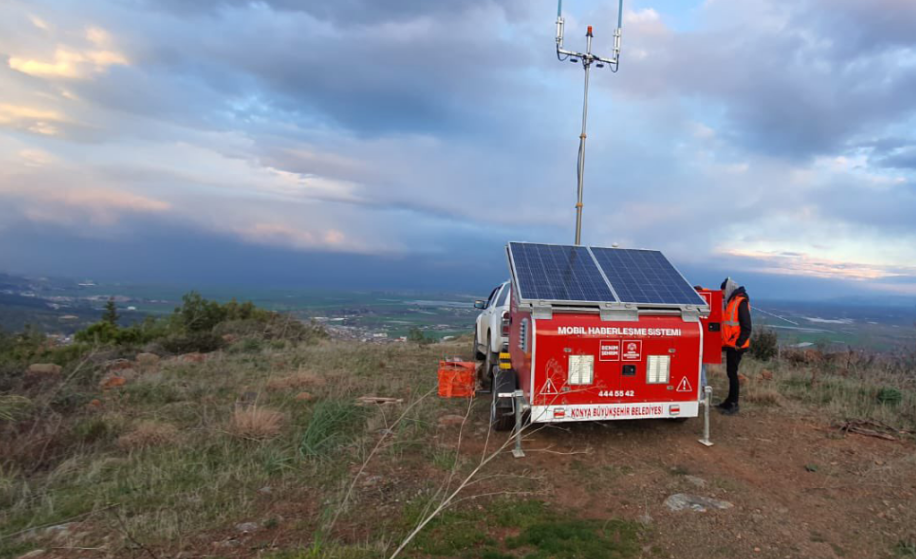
(289, 447)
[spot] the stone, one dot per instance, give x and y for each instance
(33, 554)
(193, 357)
(766, 374)
(112, 381)
(304, 397)
(645, 520)
(448, 420)
(148, 361)
(684, 501)
(247, 527)
(266, 490)
(230, 338)
(95, 404)
(741, 378)
(43, 370)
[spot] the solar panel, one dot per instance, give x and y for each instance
(558, 273)
(645, 276)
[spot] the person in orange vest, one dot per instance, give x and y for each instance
(736, 337)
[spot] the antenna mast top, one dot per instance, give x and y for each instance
(587, 58)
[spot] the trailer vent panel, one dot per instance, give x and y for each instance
(581, 369)
(658, 369)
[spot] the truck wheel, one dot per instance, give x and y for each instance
(478, 355)
(492, 359)
(502, 418)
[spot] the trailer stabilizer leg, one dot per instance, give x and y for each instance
(519, 404)
(707, 401)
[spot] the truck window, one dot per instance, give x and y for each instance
(490, 298)
(502, 296)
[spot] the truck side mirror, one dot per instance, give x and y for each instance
(480, 304)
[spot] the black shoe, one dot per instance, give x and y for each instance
(729, 410)
(723, 405)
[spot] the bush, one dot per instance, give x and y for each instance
(417, 336)
(201, 342)
(764, 344)
(889, 396)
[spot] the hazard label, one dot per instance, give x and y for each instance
(684, 385)
(549, 389)
(609, 350)
(632, 350)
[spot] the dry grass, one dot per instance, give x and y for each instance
(147, 434)
(256, 423)
(296, 381)
(762, 394)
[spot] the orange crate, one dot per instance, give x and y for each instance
(457, 379)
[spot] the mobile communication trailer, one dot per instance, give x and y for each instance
(602, 334)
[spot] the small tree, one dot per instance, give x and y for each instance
(111, 315)
(764, 344)
(417, 336)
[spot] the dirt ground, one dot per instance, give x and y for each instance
(799, 488)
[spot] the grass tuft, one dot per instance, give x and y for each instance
(256, 423)
(148, 434)
(333, 424)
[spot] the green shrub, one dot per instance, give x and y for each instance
(417, 336)
(764, 344)
(333, 424)
(203, 342)
(889, 396)
(248, 345)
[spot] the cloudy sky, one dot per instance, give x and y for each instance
(401, 143)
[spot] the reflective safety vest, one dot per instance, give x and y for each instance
(731, 328)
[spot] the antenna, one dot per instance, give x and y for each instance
(587, 59)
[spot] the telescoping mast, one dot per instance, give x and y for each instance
(587, 58)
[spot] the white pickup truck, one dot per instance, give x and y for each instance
(491, 334)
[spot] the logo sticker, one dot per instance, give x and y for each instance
(632, 350)
(684, 385)
(609, 350)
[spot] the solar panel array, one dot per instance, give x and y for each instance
(559, 273)
(645, 276)
(574, 273)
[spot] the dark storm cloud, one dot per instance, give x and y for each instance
(346, 12)
(437, 130)
(795, 79)
(901, 159)
(409, 67)
(868, 27)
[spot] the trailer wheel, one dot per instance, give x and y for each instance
(502, 418)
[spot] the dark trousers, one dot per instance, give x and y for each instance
(732, 360)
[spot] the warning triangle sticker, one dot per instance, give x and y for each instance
(684, 385)
(549, 388)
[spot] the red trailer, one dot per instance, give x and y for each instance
(601, 334)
